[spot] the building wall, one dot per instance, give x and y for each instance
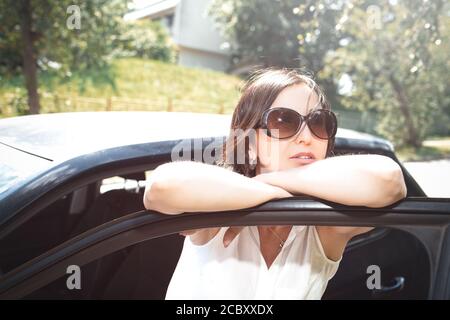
(199, 41)
(190, 28)
(202, 59)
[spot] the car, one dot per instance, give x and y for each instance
(71, 191)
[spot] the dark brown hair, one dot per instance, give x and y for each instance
(258, 94)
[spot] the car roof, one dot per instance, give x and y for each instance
(79, 147)
(63, 136)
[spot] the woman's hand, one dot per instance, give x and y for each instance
(187, 233)
(378, 180)
(230, 235)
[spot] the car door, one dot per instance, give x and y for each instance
(410, 246)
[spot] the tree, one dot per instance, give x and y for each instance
(259, 32)
(146, 39)
(394, 54)
(288, 33)
(43, 34)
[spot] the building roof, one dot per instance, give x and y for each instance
(154, 9)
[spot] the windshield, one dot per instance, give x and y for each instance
(15, 166)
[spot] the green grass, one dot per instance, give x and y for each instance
(432, 149)
(190, 89)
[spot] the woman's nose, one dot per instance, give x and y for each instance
(304, 135)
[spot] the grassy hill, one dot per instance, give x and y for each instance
(131, 84)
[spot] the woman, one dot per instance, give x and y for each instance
(285, 130)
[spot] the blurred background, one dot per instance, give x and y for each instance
(384, 64)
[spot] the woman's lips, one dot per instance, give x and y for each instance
(303, 158)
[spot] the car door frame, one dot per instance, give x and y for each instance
(22, 204)
(431, 214)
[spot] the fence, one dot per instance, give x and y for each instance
(10, 103)
(72, 103)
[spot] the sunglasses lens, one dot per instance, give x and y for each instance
(282, 123)
(323, 124)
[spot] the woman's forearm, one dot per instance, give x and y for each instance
(366, 180)
(195, 187)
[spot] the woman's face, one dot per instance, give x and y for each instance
(274, 154)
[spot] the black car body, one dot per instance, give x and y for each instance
(53, 213)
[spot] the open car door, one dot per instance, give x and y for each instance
(410, 245)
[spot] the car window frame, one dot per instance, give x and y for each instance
(432, 216)
(147, 157)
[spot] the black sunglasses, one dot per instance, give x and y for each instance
(283, 123)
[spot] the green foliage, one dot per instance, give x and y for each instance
(56, 45)
(427, 152)
(262, 32)
(279, 33)
(191, 89)
(395, 54)
(146, 39)
(18, 102)
(396, 68)
(63, 50)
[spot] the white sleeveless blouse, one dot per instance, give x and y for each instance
(300, 271)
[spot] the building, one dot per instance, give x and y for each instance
(199, 42)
